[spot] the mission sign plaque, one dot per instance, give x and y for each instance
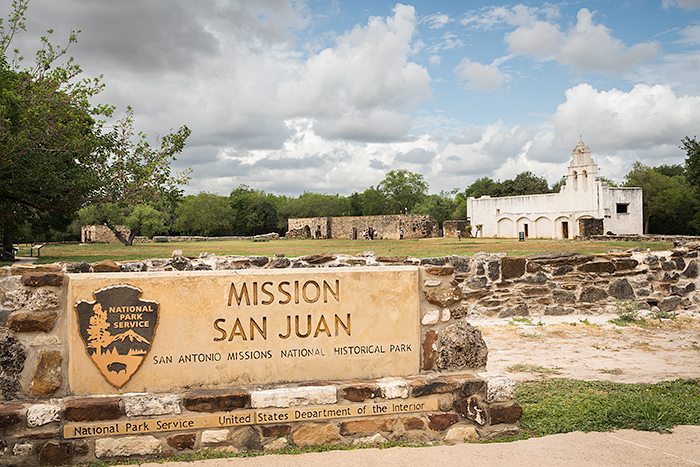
(148, 332)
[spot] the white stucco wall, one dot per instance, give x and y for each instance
(556, 215)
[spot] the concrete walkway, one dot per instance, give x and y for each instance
(619, 448)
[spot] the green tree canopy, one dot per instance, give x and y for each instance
(205, 214)
(52, 150)
(403, 190)
(254, 211)
(668, 202)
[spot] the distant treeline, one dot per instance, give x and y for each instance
(670, 192)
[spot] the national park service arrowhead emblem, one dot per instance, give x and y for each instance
(117, 329)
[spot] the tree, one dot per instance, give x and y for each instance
(438, 207)
(403, 190)
(481, 187)
(374, 203)
(138, 174)
(52, 149)
(205, 214)
(692, 161)
(668, 202)
(525, 183)
(254, 211)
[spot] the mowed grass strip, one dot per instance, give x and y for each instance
(564, 405)
(418, 248)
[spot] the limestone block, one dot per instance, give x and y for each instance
(393, 388)
(512, 267)
(461, 433)
(441, 421)
(246, 439)
(621, 289)
(430, 318)
(556, 310)
(429, 349)
(670, 303)
(10, 415)
(314, 435)
(460, 263)
(412, 423)
(214, 436)
(280, 262)
(127, 446)
(445, 315)
(498, 388)
(19, 269)
(276, 445)
(78, 267)
(477, 282)
(359, 392)
(47, 376)
(10, 283)
(691, 271)
(292, 397)
(216, 401)
(563, 296)
(373, 440)
(182, 442)
(273, 431)
(29, 321)
(45, 340)
(439, 270)
(145, 405)
(471, 409)
(12, 357)
(56, 453)
(592, 294)
(22, 449)
(92, 409)
(461, 346)
(106, 265)
(625, 264)
(41, 279)
(432, 283)
(366, 426)
(444, 297)
(509, 414)
(494, 270)
(42, 414)
(440, 385)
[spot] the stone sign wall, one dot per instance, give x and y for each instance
(218, 328)
(59, 406)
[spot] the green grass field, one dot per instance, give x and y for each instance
(419, 248)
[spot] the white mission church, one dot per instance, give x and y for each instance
(558, 215)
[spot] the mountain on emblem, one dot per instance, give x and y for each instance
(117, 329)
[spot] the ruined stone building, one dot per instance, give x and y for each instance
(352, 227)
(101, 234)
(584, 206)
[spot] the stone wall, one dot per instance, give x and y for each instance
(101, 234)
(453, 397)
(588, 227)
(450, 228)
(352, 227)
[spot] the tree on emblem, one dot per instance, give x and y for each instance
(99, 336)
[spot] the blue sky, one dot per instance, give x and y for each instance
(328, 96)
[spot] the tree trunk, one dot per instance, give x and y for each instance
(8, 252)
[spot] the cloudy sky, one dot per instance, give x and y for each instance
(329, 95)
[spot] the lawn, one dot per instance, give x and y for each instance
(417, 248)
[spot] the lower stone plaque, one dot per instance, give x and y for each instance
(250, 417)
(222, 328)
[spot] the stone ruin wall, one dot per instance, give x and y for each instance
(450, 228)
(35, 402)
(387, 226)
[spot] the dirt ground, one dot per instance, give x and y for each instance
(592, 348)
